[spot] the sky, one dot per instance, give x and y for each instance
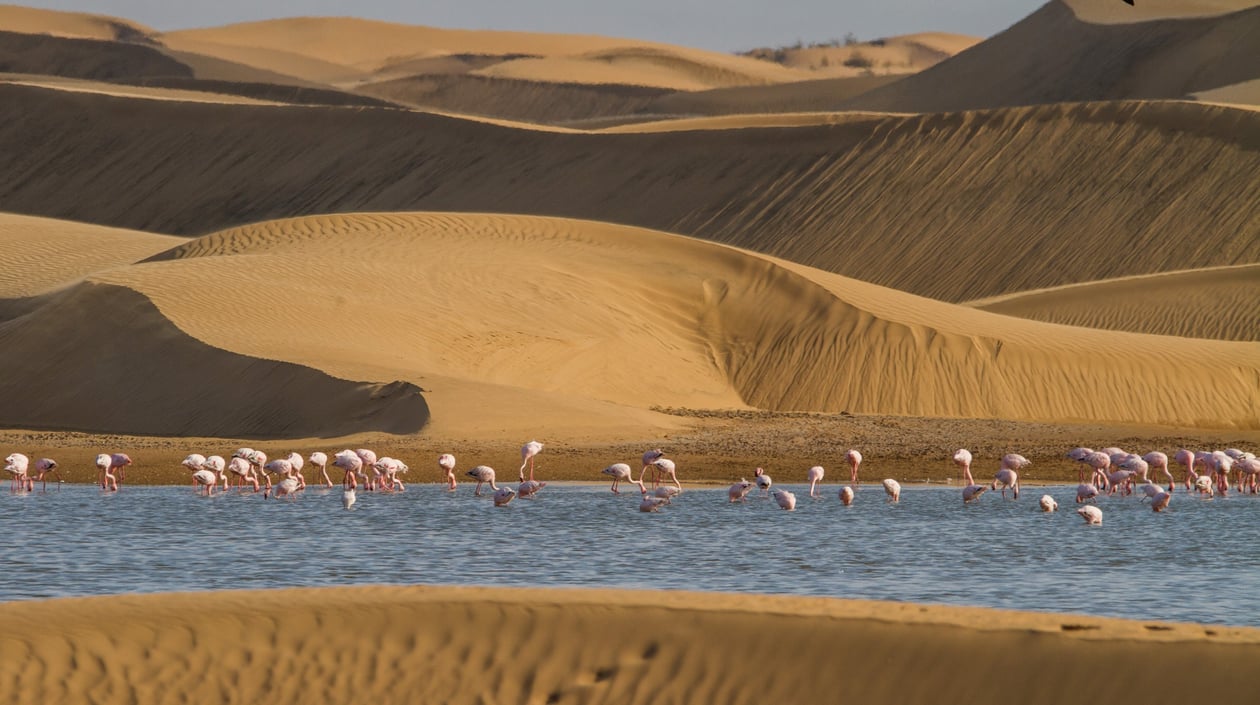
(722, 25)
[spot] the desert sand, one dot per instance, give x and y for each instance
(316, 233)
(478, 645)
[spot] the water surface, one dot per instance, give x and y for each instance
(1196, 562)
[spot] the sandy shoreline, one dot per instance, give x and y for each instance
(715, 447)
(482, 645)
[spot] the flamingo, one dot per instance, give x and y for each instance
(1221, 463)
(348, 497)
(1203, 485)
(43, 466)
(972, 492)
(206, 480)
(194, 462)
(665, 466)
(105, 476)
(320, 460)
(855, 459)
(503, 496)
(1091, 514)
(893, 489)
(529, 488)
(962, 458)
(1250, 468)
(652, 503)
(786, 500)
(367, 459)
(118, 463)
(621, 472)
(1119, 478)
(650, 457)
(1086, 492)
(296, 462)
(846, 495)
(352, 464)
(528, 451)
(17, 465)
(241, 468)
(483, 474)
(1159, 461)
(738, 491)
(1014, 461)
(667, 493)
(390, 467)
(279, 467)
(763, 481)
(1160, 501)
(446, 461)
(1048, 504)
(286, 487)
(815, 476)
(216, 465)
(1079, 455)
(1006, 477)
(1186, 457)
(1100, 462)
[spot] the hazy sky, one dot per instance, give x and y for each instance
(725, 25)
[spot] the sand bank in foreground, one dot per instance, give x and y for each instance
(480, 645)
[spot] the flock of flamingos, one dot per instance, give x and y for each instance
(1110, 470)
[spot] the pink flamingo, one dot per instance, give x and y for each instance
(367, 459)
(194, 462)
(243, 471)
(287, 487)
(893, 489)
(1160, 501)
(390, 468)
(1006, 477)
(283, 469)
(736, 492)
(1091, 514)
(216, 464)
(1186, 458)
(649, 458)
(105, 476)
(1086, 492)
(667, 493)
(503, 496)
(1100, 462)
(962, 458)
(17, 465)
(296, 462)
(1203, 485)
(1221, 464)
(348, 498)
(1079, 455)
(1118, 479)
(320, 460)
(972, 492)
(815, 476)
(483, 474)
(786, 500)
(43, 466)
(855, 459)
(350, 462)
(1048, 504)
(652, 503)
(665, 466)
(1159, 461)
(1014, 461)
(118, 463)
(528, 451)
(529, 488)
(1250, 469)
(763, 481)
(621, 472)
(846, 495)
(446, 461)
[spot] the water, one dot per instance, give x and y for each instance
(1196, 562)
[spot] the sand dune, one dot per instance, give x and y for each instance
(102, 358)
(904, 54)
(996, 194)
(30, 20)
(1053, 56)
(1103, 12)
(533, 101)
(84, 58)
(1221, 303)
(481, 645)
(552, 306)
(40, 254)
(818, 95)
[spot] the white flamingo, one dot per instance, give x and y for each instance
(319, 459)
(446, 461)
(1091, 514)
(1007, 478)
(815, 476)
(528, 452)
(1048, 504)
(786, 500)
(483, 474)
(962, 458)
(846, 495)
(893, 489)
(17, 465)
(763, 481)
(738, 491)
(621, 472)
(503, 496)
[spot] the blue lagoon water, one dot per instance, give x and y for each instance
(1196, 562)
